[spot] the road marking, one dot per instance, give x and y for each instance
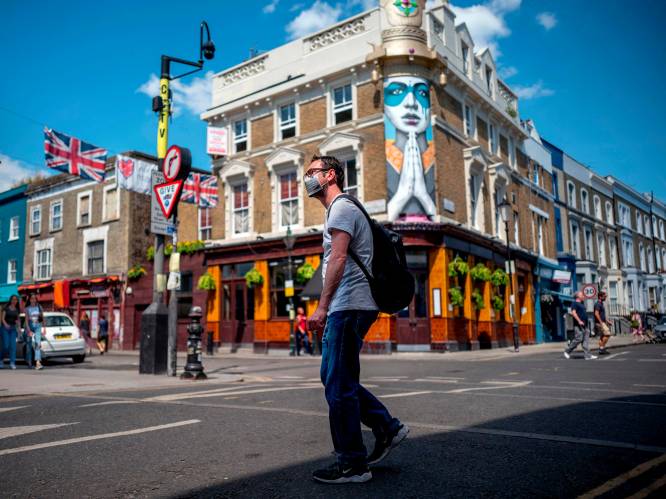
(385, 379)
(612, 356)
(14, 431)
(377, 378)
(500, 387)
(7, 409)
(176, 396)
(289, 377)
(651, 360)
(442, 377)
(111, 402)
(652, 386)
(185, 396)
(230, 398)
(405, 394)
(623, 478)
(447, 381)
(583, 383)
(69, 441)
(654, 486)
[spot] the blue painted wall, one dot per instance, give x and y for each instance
(12, 204)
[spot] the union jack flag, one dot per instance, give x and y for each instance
(71, 155)
(200, 189)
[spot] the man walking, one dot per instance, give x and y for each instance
(345, 313)
(581, 328)
(601, 324)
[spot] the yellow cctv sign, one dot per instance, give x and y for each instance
(289, 288)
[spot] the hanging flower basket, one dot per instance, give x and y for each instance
(253, 278)
(206, 282)
(498, 303)
(135, 272)
(477, 299)
(458, 267)
(499, 278)
(456, 297)
(480, 273)
(304, 273)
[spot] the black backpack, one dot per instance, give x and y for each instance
(391, 284)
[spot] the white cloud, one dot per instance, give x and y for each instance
(319, 16)
(270, 7)
(486, 22)
(193, 96)
(506, 72)
(13, 171)
(547, 20)
(532, 91)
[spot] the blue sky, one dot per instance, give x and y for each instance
(589, 73)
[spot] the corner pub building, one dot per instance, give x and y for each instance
(431, 141)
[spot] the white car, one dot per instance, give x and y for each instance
(60, 338)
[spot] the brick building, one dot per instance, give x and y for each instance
(342, 91)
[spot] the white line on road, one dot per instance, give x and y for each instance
(583, 383)
(500, 387)
(216, 391)
(14, 431)
(447, 381)
(377, 378)
(111, 402)
(443, 377)
(654, 486)
(185, 396)
(652, 386)
(651, 360)
(7, 409)
(289, 377)
(623, 478)
(101, 436)
(404, 394)
(612, 356)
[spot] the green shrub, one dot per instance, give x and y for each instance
(456, 296)
(458, 267)
(304, 273)
(477, 299)
(206, 282)
(135, 272)
(498, 303)
(499, 278)
(480, 273)
(254, 278)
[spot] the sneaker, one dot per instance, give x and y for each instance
(566, 355)
(336, 473)
(39, 366)
(603, 351)
(384, 447)
(12, 366)
(591, 357)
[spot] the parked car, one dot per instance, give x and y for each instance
(660, 329)
(60, 338)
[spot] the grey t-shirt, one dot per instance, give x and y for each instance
(353, 293)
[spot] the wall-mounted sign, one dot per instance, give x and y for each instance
(590, 291)
(216, 141)
(562, 276)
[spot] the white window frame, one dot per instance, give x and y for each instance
(657, 256)
(237, 139)
(596, 203)
(612, 245)
(10, 279)
(90, 235)
(624, 215)
(281, 127)
(280, 201)
(646, 226)
(516, 228)
(654, 228)
(609, 213)
(346, 146)
(571, 194)
(105, 215)
(35, 209)
(639, 222)
(233, 186)
(233, 172)
(628, 252)
(589, 244)
(42, 245)
(489, 78)
(469, 121)
(512, 152)
(650, 260)
(345, 106)
(278, 163)
(200, 227)
(662, 235)
(540, 238)
(601, 249)
(88, 243)
(641, 256)
(493, 144)
(14, 229)
(52, 206)
(535, 173)
(585, 201)
(79, 197)
(464, 55)
(574, 231)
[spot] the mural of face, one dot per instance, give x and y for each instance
(407, 103)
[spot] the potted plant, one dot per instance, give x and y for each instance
(498, 303)
(458, 267)
(477, 299)
(456, 297)
(135, 272)
(480, 273)
(304, 273)
(206, 282)
(253, 278)
(499, 278)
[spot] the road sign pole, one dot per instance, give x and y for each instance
(173, 305)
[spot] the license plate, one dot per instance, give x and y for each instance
(59, 337)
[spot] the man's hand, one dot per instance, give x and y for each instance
(317, 321)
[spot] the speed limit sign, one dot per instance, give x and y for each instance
(590, 291)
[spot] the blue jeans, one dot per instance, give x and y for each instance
(349, 404)
(30, 350)
(9, 344)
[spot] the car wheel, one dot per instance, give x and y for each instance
(78, 359)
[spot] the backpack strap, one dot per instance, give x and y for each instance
(351, 253)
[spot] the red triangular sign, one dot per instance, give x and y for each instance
(167, 195)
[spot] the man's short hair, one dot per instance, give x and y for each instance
(332, 163)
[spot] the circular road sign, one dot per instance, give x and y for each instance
(590, 291)
(172, 163)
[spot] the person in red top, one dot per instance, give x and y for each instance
(302, 331)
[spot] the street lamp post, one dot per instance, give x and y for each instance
(505, 212)
(153, 316)
(289, 241)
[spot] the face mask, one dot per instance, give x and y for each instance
(312, 186)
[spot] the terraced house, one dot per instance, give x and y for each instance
(396, 93)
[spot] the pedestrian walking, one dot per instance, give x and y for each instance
(345, 313)
(301, 327)
(581, 328)
(84, 327)
(601, 324)
(32, 334)
(637, 327)
(102, 334)
(10, 316)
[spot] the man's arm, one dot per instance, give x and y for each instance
(334, 270)
(575, 316)
(597, 316)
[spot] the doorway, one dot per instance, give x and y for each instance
(413, 324)
(237, 321)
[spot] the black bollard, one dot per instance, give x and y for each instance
(194, 368)
(209, 343)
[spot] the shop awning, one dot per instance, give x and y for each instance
(312, 290)
(31, 287)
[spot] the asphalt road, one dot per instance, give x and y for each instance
(518, 426)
